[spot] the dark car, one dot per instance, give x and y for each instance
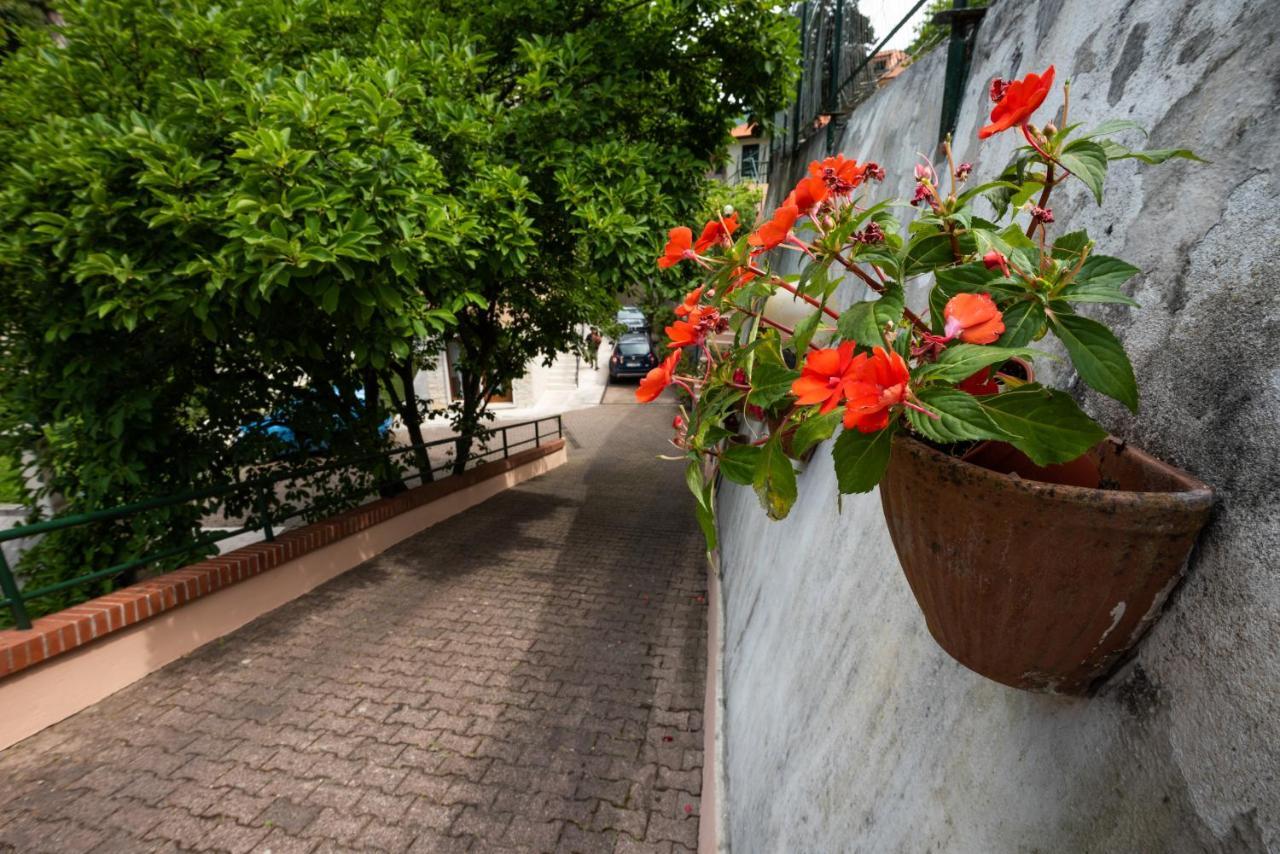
(633, 356)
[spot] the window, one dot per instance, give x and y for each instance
(634, 348)
(750, 161)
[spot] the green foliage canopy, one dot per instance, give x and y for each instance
(208, 213)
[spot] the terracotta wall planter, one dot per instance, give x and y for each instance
(1040, 585)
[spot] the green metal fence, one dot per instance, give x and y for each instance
(259, 493)
(836, 68)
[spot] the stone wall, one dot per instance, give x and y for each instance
(847, 728)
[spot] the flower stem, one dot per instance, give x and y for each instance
(787, 287)
(879, 288)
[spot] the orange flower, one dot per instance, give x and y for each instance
(658, 379)
(839, 173)
(825, 374)
(679, 247)
(808, 194)
(776, 230)
(717, 231)
(973, 317)
(880, 384)
(690, 302)
(693, 330)
(1021, 98)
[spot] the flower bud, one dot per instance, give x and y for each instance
(1041, 215)
(995, 260)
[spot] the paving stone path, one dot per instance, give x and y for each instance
(526, 676)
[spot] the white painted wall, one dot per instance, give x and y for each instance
(847, 728)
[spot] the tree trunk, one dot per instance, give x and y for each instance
(389, 482)
(469, 422)
(411, 415)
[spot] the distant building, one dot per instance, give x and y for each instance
(888, 64)
(748, 156)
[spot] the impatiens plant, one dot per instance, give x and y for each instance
(769, 368)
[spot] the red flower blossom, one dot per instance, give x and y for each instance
(656, 381)
(974, 318)
(995, 260)
(824, 376)
(1018, 100)
(776, 230)
(879, 385)
(840, 174)
(690, 302)
(693, 330)
(980, 384)
(808, 194)
(717, 232)
(679, 247)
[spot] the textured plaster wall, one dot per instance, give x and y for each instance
(847, 728)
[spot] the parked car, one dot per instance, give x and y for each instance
(632, 319)
(297, 427)
(633, 356)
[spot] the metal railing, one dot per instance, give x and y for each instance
(260, 492)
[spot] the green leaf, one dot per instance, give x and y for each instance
(329, 302)
(1098, 356)
(815, 429)
(1087, 161)
(926, 252)
(960, 417)
(1071, 247)
(803, 333)
(738, 463)
(961, 361)
(864, 322)
(1111, 126)
(1104, 270)
(1153, 156)
(704, 507)
(1090, 292)
(1045, 424)
(1023, 322)
(986, 188)
(770, 382)
(861, 458)
(775, 480)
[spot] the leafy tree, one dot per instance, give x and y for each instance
(205, 218)
(211, 214)
(573, 132)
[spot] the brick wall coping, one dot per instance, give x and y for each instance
(88, 622)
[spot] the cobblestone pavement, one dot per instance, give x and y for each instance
(525, 676)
